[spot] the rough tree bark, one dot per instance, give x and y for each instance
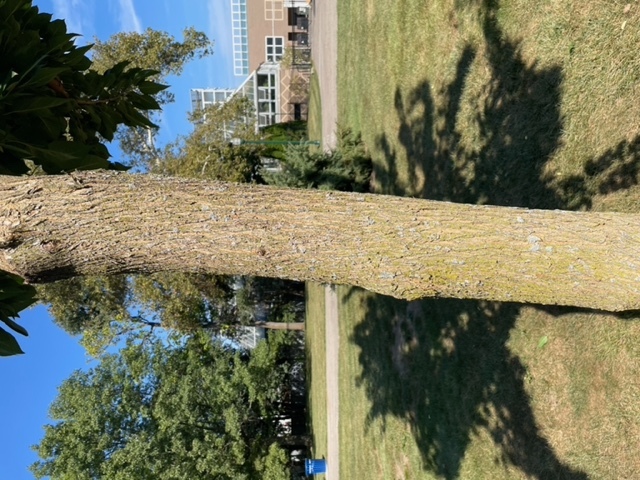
(54, 227)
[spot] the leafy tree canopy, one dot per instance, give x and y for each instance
(207, 151)
(153, 50)
(107, 309)
(196, 409)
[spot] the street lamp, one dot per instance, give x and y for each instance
(236, 142)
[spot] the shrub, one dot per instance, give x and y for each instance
(348, 168)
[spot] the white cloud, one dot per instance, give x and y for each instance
(220, 31)
(77, 14)
(128, 18)
(167, 8)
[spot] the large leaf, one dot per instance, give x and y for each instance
(52, 126)
(15, 296)
(118, 167)
(8, 345)
(43, 76)
(144, 102)
(26, 104)
(77, 59)
(16, 327)
(10, 165)
(63, 156)
(151, 88)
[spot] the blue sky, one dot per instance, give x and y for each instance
(29, 382)
(102, 18)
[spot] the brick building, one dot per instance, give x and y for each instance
(271, 50)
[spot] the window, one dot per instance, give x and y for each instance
(275, 48)
(267, 105)
(240, 37)
(273, 10)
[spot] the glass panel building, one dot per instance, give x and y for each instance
(239, 31)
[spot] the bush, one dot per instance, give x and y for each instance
(283, 132)
(348, 168)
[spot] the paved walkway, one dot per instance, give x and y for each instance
(333, 387)
(324, 51)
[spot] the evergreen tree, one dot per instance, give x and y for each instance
(348, 168)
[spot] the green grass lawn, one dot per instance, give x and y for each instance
(517, 103)
(477, 390)
(316, 367)
(314, 120)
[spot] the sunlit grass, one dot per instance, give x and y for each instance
(514, 103)
(316, 367)
(314, 121)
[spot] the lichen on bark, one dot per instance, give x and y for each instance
(105, 222)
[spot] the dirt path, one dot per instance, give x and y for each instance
(324, 51)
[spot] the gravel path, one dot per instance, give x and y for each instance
(324, 51)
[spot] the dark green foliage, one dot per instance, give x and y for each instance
(287, 131)
(296, 130)
(56, 113)
(14, 297)
(269, 299)
(348, 168)
(196, 409)
(107, 309)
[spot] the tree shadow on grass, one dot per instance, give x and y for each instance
(518, 123)
(443, 367)
(448, 372)
(618, 168)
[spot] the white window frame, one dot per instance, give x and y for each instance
(274, 48)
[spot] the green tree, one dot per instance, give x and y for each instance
(207, 152)
(347, 168)
(196, 409)
(150, 50)
(55, 114)
(108, 309)
(269, 298)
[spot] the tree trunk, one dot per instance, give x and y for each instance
(99, 223)
(299, 326)
(293, 441)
